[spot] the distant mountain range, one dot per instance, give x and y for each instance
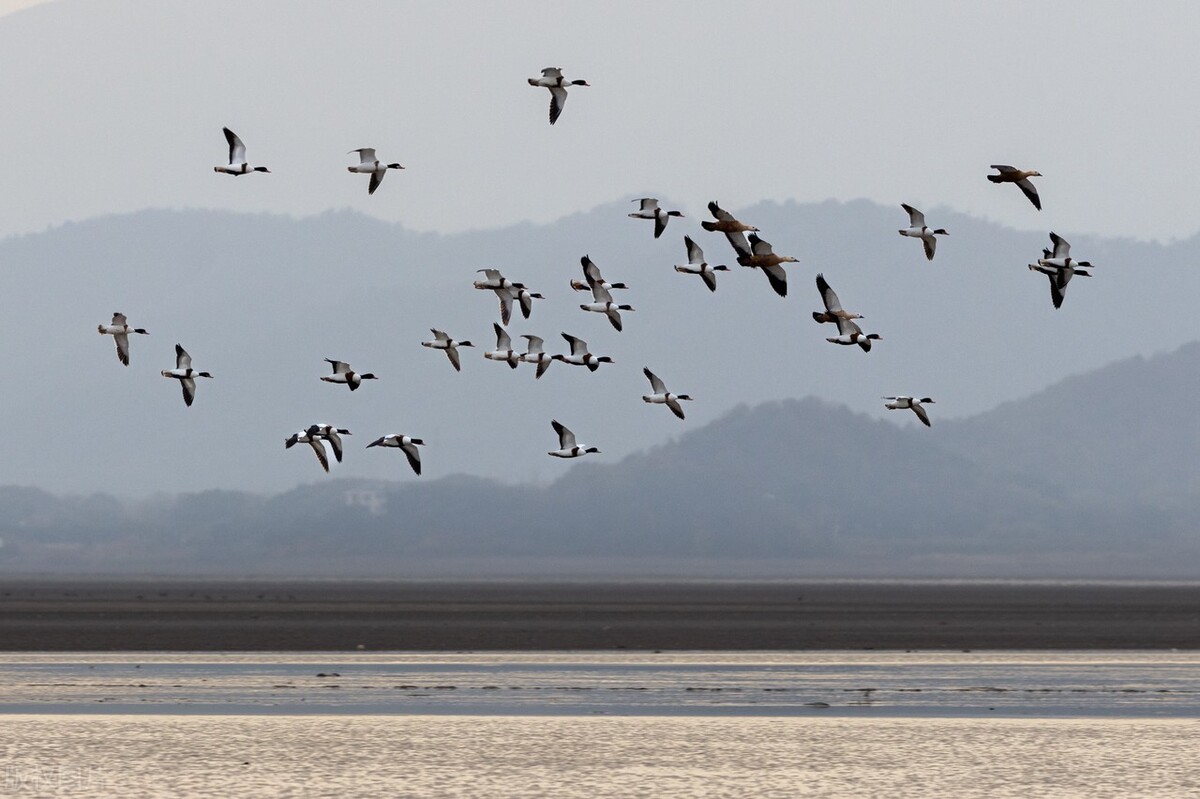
(1087, 478)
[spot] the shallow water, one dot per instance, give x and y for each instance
(989, 724)
(1152, 684)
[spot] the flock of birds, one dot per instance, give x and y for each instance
(749, 250)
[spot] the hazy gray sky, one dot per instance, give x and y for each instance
(118, 105)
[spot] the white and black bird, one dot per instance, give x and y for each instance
(696, 265)
(602, 301)
(343, 374)
(580, 356)
(331, 434)
(525, 298)
(592, 276)
(917, 229)
(567, 448)
(368, 164)
(406, 444)
(1059, 277)
(1010, 174)
(305, 437)
(443, 342)
(908, 403)
(1061, 256)
(552, 79)
(504, 289)
(185, 374)
(728, 224)
(120, 330)
(504, 349)
(648, 209)
(536, 355)
(850, 333)
(237, 157)
(660, 396)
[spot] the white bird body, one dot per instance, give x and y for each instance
(696, 265)
(370, 165)
(552, 79)
(331, 434)
(493, 280)
(535, 355)
(580, 356)
(185, 374)
(909, 403)
(660, 396)
(648, 209)
(567, 448)
(443, 342)
(1061, 256)
(852, 334)
(917, 229)
(406, 444)
(504, 350)
(344, 375)
(120, 331)
(303, 437)
(1059, 276)
(602, 300)
(237, 157)
(525, 298)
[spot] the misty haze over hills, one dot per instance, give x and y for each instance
(261, 300)
(792, 488)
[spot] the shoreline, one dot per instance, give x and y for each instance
(304, 615)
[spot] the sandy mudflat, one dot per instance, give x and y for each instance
(279, 615)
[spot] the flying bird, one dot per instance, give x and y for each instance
(304, 437)
(649, 210)
(1059, 276)
(504, 289)
(901, 403)
(580, 356)
(696, 265)
(592, 276)
(443, 342)
(342, 373)
(331, 434)
(120, 331)
(535, 355)
(237, 157)
(407, 444)
(368, 164)
(504, 349)
(602, 302)
(850, 333)
(917, 229)
(734, 230)
(1061, 255)
(660, 396)
(185, 374)
(525, 298)
(1010, 174)
(567, 448)
(762, 256)
(833, 306)
(552, 79)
